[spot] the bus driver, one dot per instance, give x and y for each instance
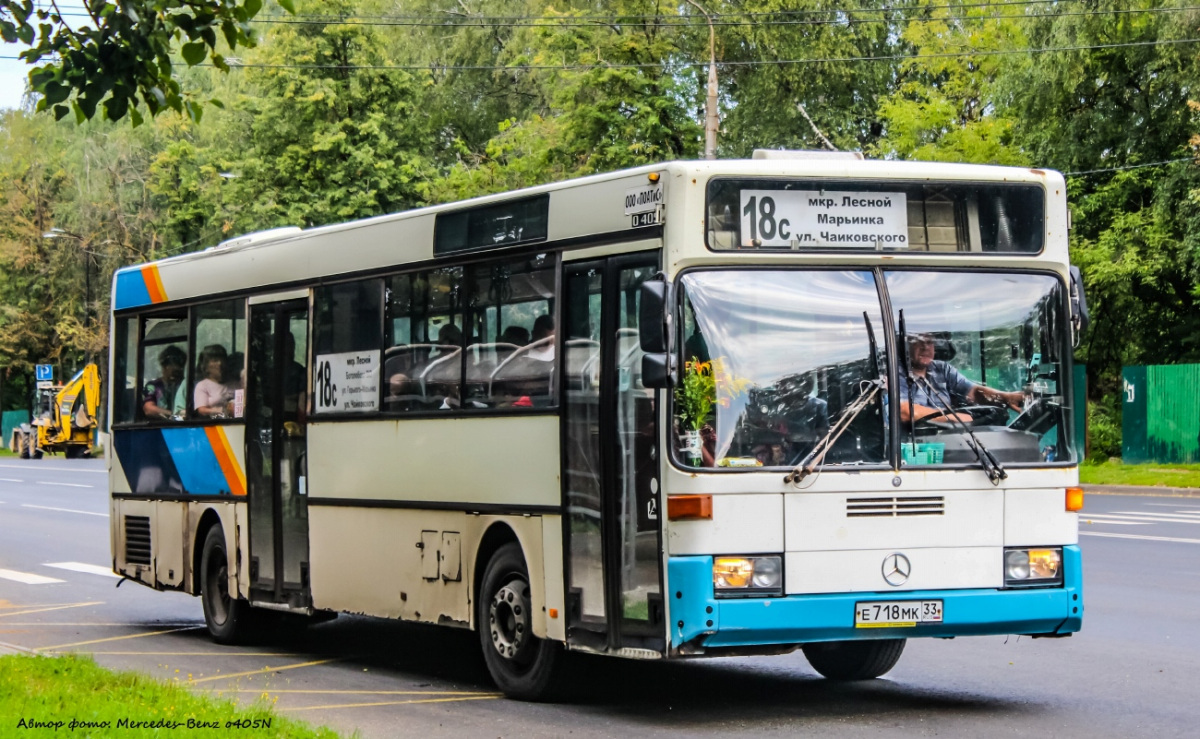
(948, 386)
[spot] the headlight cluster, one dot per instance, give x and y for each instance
(741, 577)
(1033, 567)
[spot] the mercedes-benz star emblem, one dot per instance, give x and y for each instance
(896, 569)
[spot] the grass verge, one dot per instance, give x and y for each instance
(1114, 472)
(42, 696)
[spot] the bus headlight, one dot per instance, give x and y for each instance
(737, 577)
(1031, 567)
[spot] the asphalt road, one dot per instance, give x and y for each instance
(1130, 672)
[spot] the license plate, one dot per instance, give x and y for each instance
(896, 613)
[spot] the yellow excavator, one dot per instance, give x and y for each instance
(64, 418)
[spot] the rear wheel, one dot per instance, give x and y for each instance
(228, 618)
(854, 660)
(522, 665)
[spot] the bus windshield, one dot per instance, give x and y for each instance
(772, 357)
(787, 351)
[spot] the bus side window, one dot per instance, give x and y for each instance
(164, 380)
(124, 381)
(510, 360)
(423, 338)
(346, 328)
(220, 369)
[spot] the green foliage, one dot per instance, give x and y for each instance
(696, 395)
(1104, 428)
(121, 56)
(75, 687)
(1113, 472)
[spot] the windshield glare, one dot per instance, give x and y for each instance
(787, 351)
(772, 357)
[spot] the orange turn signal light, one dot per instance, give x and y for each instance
(553, 613)
(683, 507)
(1074, 499)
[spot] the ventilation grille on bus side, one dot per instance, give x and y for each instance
(932, 505)
(137, 540)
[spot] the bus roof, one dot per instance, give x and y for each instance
(574, 210)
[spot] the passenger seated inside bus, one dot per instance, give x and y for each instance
(214, 393)
(440, 378)
(164, 396)
(526, 377)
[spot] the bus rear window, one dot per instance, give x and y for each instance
(779, 215)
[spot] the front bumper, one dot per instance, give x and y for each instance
(698, 620)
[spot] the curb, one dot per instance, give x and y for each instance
(6, 648)
(1146, 490)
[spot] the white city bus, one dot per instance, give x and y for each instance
(655, 413)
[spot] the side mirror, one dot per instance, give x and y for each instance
(1079, 307)
(656, 332)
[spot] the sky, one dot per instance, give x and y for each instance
(13, 76)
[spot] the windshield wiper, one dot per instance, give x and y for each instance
(813, 461)
(909, 382)
(991, 466)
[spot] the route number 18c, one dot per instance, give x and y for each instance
(760, 214)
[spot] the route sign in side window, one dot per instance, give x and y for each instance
(348, 333)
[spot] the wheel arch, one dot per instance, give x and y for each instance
(208, 519)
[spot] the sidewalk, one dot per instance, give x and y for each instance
(1141, 490)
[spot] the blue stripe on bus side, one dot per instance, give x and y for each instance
(196, 461)
(130, 290)
(147, 461)
(797, 619)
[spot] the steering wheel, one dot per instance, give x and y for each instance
(981, 415)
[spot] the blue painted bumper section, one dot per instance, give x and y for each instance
(797, 619)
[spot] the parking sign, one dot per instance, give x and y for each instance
(45, 372)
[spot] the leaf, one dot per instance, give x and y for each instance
(288, 5)
(194, 52)
(252, 7)
(135, 116)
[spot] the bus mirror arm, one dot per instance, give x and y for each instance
(1079, 307)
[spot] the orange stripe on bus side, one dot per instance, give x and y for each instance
(154, 284)
(225, 457)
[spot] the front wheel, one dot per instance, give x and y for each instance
(854, 660)
(522, 665)
(227, 617)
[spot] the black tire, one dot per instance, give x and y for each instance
(228, 618)
(523, 666)
(75, 452)
(854, 660)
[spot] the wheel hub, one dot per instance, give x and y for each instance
(508, 616)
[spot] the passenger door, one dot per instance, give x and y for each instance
(610, 476)
(276, 463)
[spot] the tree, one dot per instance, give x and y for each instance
(122, 55)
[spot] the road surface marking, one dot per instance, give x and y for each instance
(263, 671)
(10, 479)
(27, 578)
(1175, 505)
(393, 703)
(86, 568)
(62, 510)
(199, 654)
(62, 624)
(485, 693)
(26, 467)
(1149, 517)
(58, 647)
(53, 608)
(1106, 522)
(65, 484)
(1136, 536)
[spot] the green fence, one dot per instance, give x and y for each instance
(8, 421)
(1160, 414)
